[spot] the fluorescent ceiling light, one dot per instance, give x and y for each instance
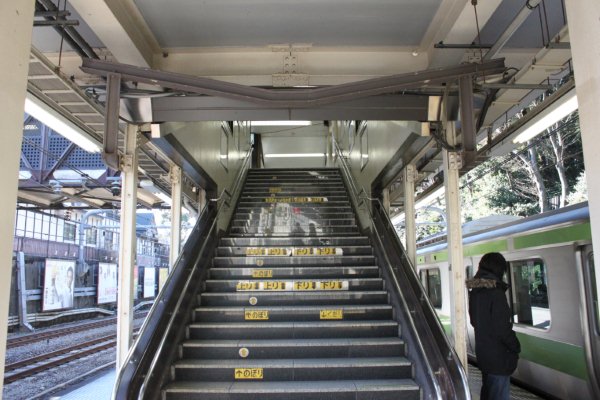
(58, 123)
(294, 155)
(281, 123)
(548, 117)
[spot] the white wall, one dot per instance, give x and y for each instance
(384, 140)
(202, 140)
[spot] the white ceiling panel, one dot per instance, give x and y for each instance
(215, 23)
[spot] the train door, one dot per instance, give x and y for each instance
(590, 316)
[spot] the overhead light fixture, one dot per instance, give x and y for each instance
(548, 117)
(294, 155)
(58, 123)
(281, 123)
(155, 131)
(24, 175)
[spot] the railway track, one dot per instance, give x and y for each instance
(37, 337)
(31, 366)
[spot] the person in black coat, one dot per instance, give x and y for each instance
(496, 345)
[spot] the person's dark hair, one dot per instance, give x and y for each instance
(494, 263)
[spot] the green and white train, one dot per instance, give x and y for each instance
(553, 295)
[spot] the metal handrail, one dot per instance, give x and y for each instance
(138, 350)
(442, 343)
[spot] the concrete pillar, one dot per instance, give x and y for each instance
(15, 42)
(127, 245)
(175, 177)
(452, 164)
(584, 31)
(410, 230)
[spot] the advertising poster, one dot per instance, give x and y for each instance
(107, 283)
(58, 284)
(163, 274)
(149, 281)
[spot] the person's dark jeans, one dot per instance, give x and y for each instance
(495, 387)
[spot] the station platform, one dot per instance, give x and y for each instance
(100, 388)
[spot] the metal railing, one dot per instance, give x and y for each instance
(441, 375)
(148, 363)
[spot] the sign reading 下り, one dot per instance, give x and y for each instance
(305, 285)
(248, 373)
(317, 251)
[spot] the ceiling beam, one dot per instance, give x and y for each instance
(404, 107)
(120, 26)
(286, 98)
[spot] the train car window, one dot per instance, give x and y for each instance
(433, 285)
(530, 293)
(594, 289)
(469, 272)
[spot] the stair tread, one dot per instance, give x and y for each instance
(300, 307)
(296, 386)
(268, 324)
(293, 342)
(354, 362)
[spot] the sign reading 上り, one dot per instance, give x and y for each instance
(274, 285)
(331, 314)
(268, 251)
(274, 190)
(248, 373)
(260, 315)
(246, 285)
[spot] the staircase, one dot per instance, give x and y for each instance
(294, 306)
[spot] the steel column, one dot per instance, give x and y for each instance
(175, 177)
(452, 165)
(584, 17)
(22, 290)
(110, 150)
(410, 231)
(127, 245)
(15, 42)
(467, 114)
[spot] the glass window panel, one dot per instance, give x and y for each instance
(433, 285)
(530, 293)
(69, 231)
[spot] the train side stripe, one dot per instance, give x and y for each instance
(560, 235)
(482, 248)
(562, 357)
